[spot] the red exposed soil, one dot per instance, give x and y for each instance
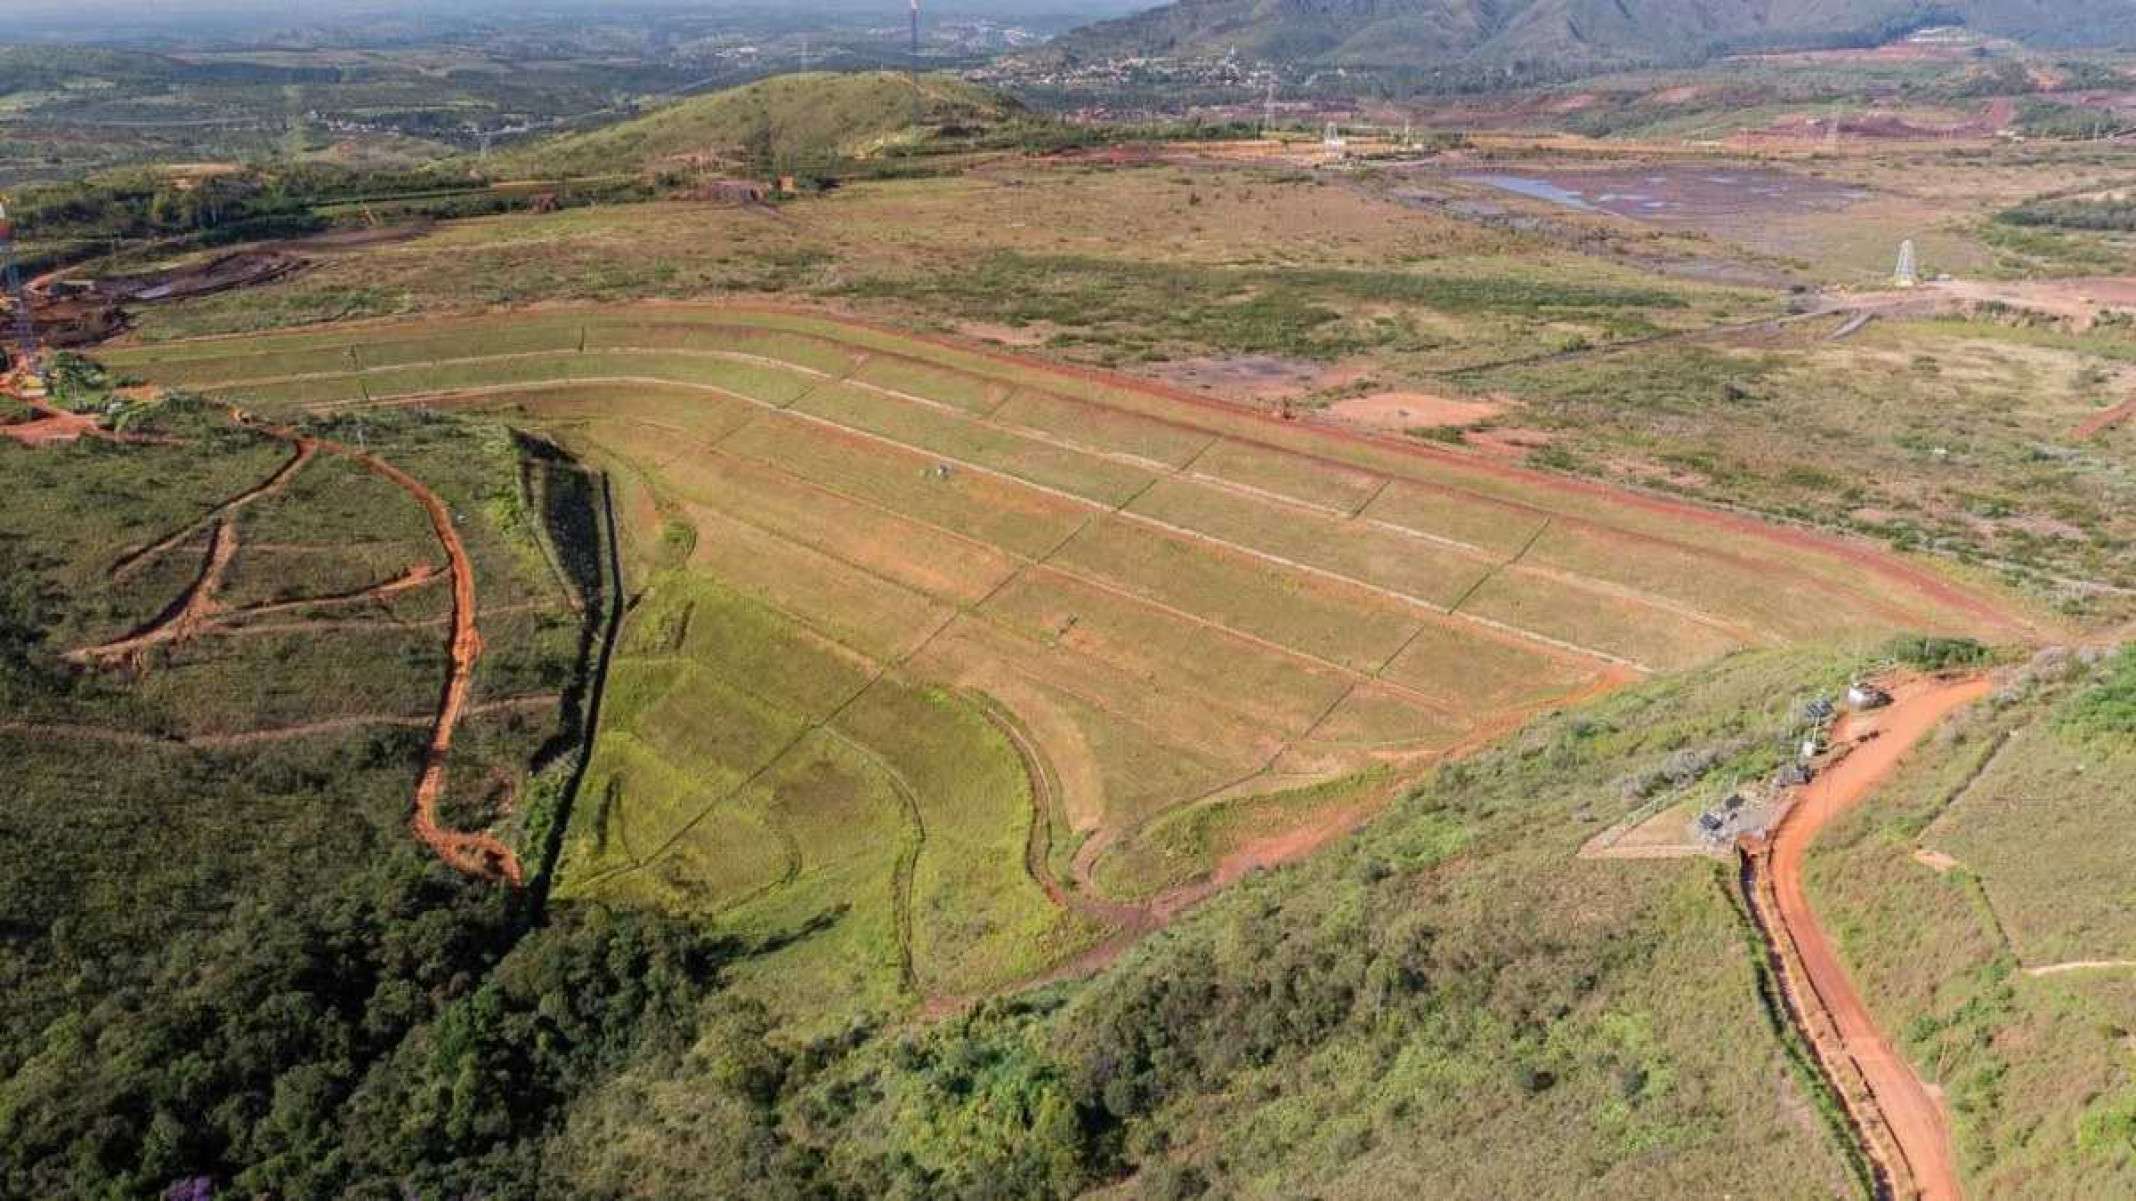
(1513, 443)
(418, 576)
(52, 429)
(1840, 1024)
(478, 854)
(199, 611)
(1275, 850)
(55, 426)
(246, 738)
(2103, 422)
(135, 560)
(186, 616)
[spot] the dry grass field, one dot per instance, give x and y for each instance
(948, 664)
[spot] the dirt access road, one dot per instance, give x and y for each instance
(1912, 1115)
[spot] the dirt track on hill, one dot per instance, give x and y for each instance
(476, 854)
(197, 610)
(1839, 1023)
(54, 426)
(133, 561)
(2105, 421)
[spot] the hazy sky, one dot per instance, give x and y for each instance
(120, 12)
(135, 20)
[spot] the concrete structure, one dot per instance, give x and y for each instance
(1908, 274)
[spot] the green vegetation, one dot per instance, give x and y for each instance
(1945, 435)
(809, 125)
(901, 521)
(2118, 215)
(2046, 119)
(1940, 654)
(160, 213)
(230, 965)
(1416, 1004)
(1143, 310)
(865, 831)
(2022, 807)
(2108, 710)
(1185, 845)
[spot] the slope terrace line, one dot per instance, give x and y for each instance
(1532, 637)
(1027, 564)
(1881, 563)
(132, 561)
(1620, 591)
(1816, 540)
(1487, 626)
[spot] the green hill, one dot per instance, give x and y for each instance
(1567, 33)
(784, 123)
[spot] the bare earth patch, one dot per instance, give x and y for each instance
(1511, 442)
(1254, 379)
(1411, 410)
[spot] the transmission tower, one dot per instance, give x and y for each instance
(11, 274)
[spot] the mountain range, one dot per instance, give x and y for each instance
(1570, 33)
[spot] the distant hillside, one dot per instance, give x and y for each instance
(1568, 33)
(784, 123)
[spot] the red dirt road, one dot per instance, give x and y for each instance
(1913, 1115)
(473, 853)
(2105, 421)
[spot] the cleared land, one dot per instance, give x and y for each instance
(1207, 627)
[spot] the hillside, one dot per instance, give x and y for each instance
(1420, 33)
(1450, 1006)
(790, 120)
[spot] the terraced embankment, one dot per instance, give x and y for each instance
(844, 535)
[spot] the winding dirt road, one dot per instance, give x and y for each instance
(476, 854)
(1911, 1114)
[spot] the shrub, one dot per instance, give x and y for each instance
(2108, 711)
